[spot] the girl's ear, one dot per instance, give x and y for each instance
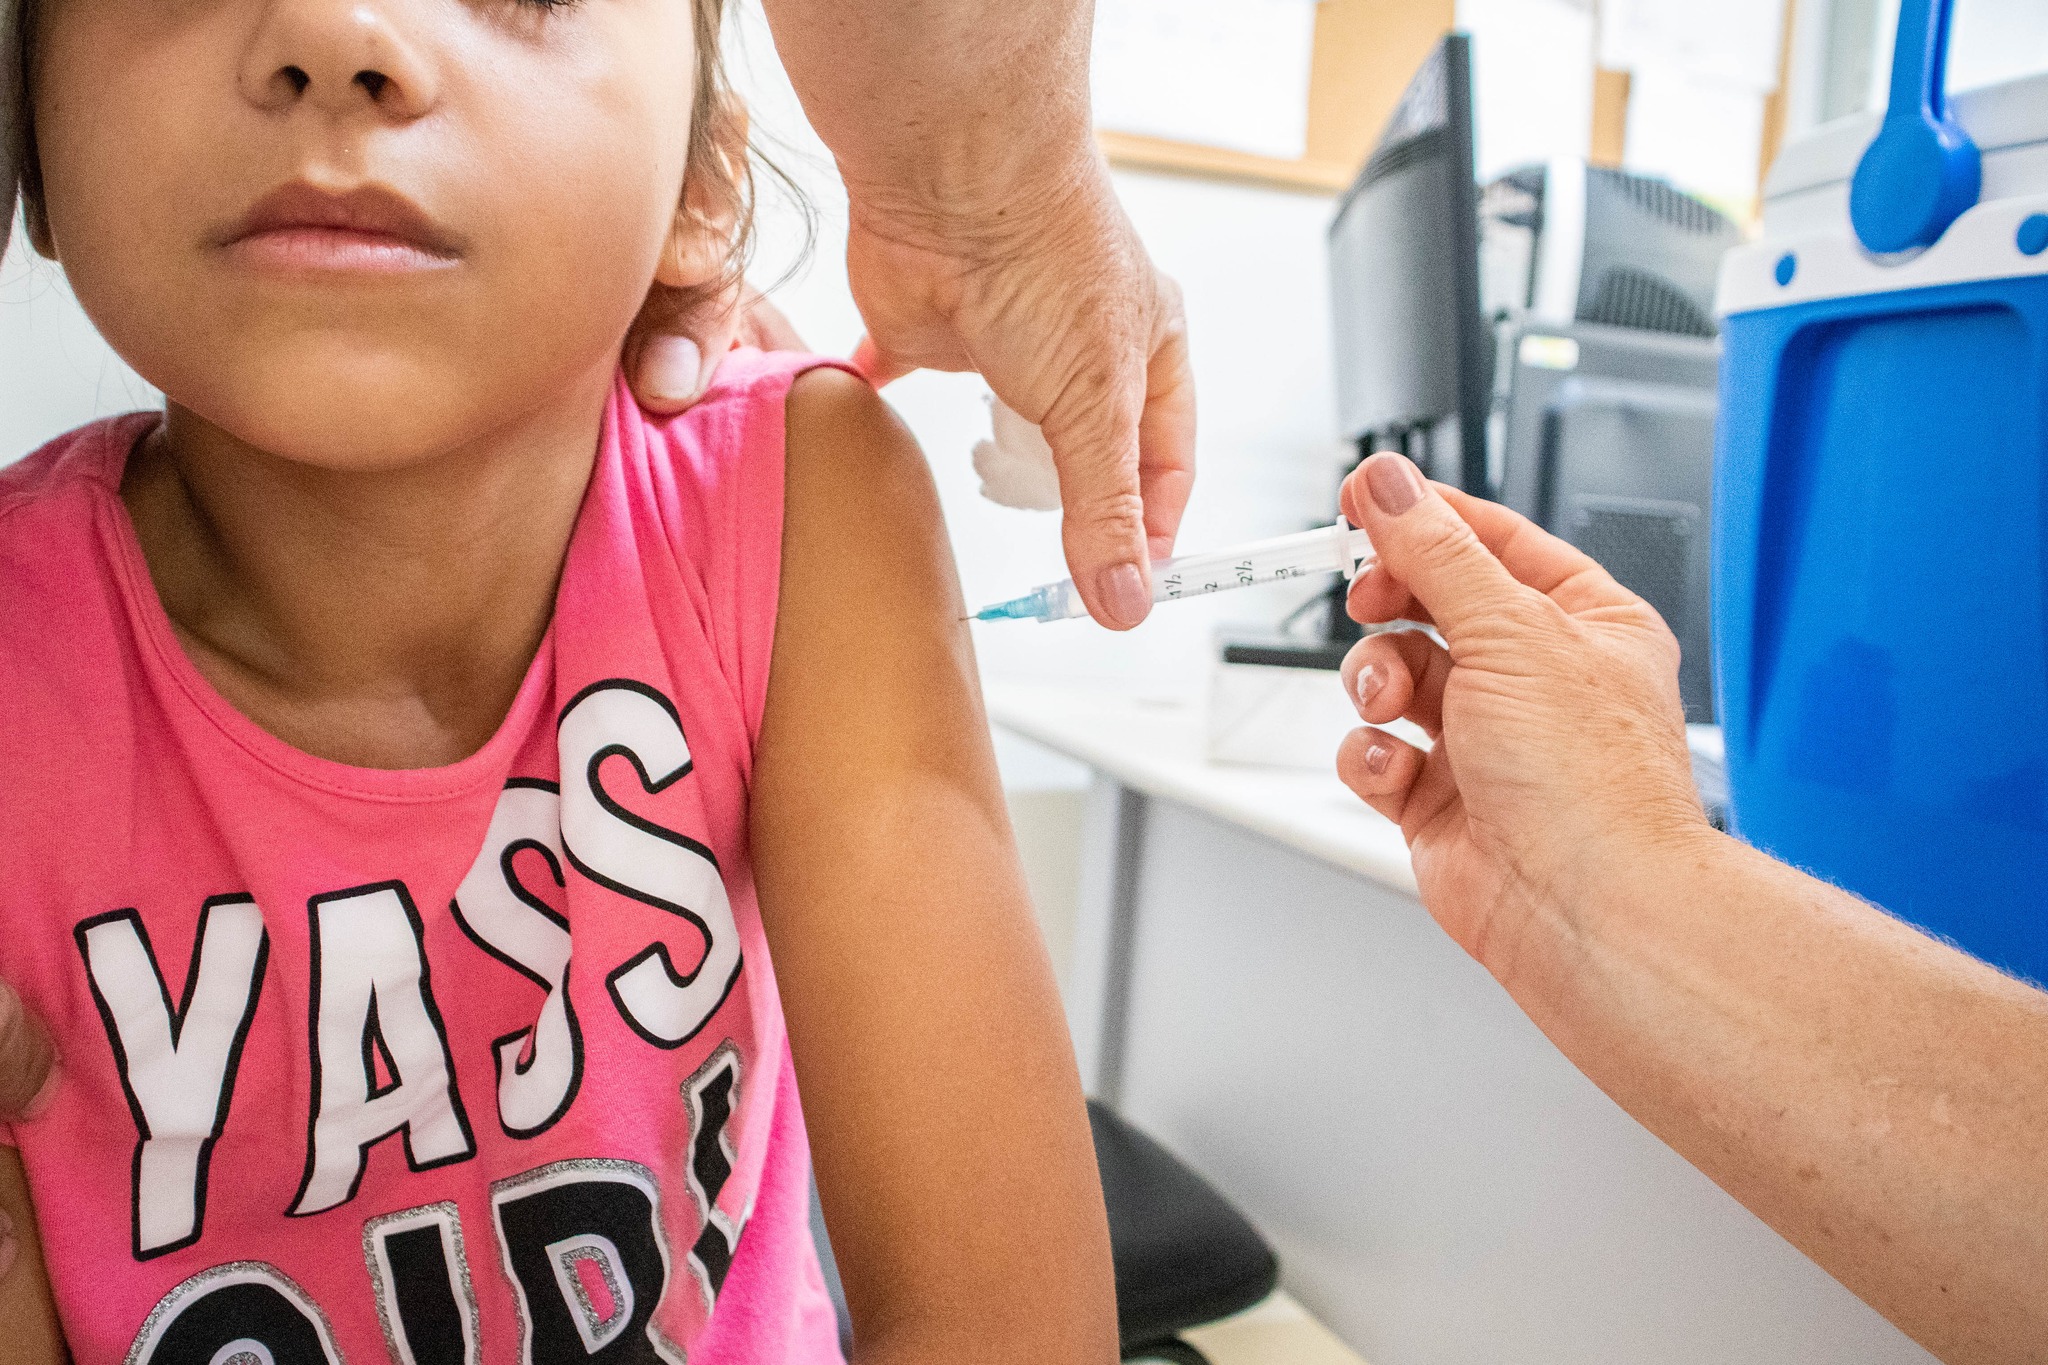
(700, 242)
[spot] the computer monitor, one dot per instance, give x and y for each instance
(1564, 242)
(1414, 358)
(1609, 443)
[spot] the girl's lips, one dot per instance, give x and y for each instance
(307, 248)
(301, 228)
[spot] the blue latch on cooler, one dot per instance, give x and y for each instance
(1922, 172)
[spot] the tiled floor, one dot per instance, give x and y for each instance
(1278, 1331)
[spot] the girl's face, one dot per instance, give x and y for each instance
(360, 233)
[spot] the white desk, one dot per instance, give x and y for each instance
(1255, 984)
(1154, 746)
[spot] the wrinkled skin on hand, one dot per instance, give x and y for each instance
(1054, 301)
(1560, 754)
(1059, 308)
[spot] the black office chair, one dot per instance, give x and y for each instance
(1183, 1256)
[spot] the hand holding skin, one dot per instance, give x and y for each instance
(984, 234)
(1058, 307)
(1062, 313)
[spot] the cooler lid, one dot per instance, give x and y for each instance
(2000, 117)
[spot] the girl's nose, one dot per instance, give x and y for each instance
(341, 57)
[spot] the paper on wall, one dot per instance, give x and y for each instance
(1221, 73)
(1532, 80)
(1704, 136)
(1989, 41)
(1730, 42)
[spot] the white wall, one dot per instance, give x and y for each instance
(1990, 41)
(55, 372)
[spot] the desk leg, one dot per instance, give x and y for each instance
(1098, 998)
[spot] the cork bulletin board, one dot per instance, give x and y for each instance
(1365, 51)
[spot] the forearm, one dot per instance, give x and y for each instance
(956, 103)
(1877, 1097)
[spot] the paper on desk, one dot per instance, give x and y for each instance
(1222, 73)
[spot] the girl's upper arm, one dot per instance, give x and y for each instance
(28, 1318)
(952, 1148)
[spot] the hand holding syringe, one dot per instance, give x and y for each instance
(1341, 548)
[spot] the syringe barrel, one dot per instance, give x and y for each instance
(1062, 601)
(1306, 554)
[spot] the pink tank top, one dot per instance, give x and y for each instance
(481, 1063)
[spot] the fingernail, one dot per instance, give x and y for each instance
(45, 1097)
(1123, 592)
(1395, 485)
(9, 1248)
(1371, 679)
(670, 368)
(1378, 754)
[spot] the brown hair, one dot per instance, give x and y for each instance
(720, 168)
(722, 182)
(19, 122)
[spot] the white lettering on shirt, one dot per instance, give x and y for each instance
(371, 1001)
(637, 858)
(177, 1065)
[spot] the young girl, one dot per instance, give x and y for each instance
(413, 751)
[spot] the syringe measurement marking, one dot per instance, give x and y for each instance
(1307, 554)
(1247, 576)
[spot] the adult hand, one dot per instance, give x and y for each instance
(1879, 1098)
(1059, 308)
(674, 348)
(28, 1072)
(27, 1059)
(1560, 760)
(1055, 302)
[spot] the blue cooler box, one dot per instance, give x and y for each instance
(1881, 509)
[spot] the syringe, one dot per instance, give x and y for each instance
(1327, 549)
